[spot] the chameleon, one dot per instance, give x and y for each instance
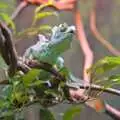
(51, 50)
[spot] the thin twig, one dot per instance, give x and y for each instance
(99, 37)
(95, 87)
(45, 66)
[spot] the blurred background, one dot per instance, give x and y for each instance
(108, 23)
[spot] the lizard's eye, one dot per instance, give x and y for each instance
(63, 27)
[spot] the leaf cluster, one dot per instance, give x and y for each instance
(104, 71)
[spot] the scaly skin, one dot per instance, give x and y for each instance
(50, 51)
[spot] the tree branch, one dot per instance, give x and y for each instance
(10, 56)
(9, 53)
(99, 37)
(45, 66)
(95, 87)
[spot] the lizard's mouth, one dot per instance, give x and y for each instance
(62, 32)
(71, 29)
(64, 28)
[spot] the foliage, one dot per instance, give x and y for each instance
(70, 113)
(100, 71)
(35, 29)
(22, 89)
(2, 63)
(21, 92)
(4, 14)
(45, 114)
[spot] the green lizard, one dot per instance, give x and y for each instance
(50, 51)
(19, 95)
(47, 51)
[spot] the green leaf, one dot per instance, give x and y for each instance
(9, 117)
(6, 91)
(45, 27)
(18, 96)
(71, 112)
(4, 104)
(54, 92)
(45, 114)
(8, 20)
(2, 63)
(64, 71)
(113, 80)
(42, 15)
(104, 65)
(3, 5)
(37, 83)
(41, 7)
(30, 76)
(45, 14)
(33, 31)
(26, 31)
(7, 114)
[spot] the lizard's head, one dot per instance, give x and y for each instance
(62, 36)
